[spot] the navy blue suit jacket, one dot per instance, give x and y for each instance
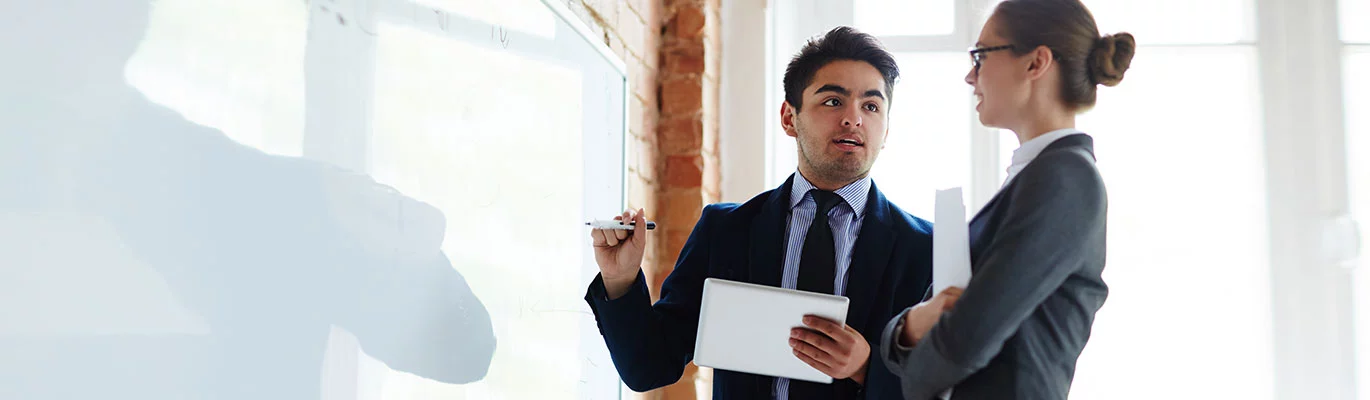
(891, 269)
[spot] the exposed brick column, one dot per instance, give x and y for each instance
(633, 30)
(688, 143)
(671, 49)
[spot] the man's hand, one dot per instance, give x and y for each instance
(836, 350)
(923, 316)
(619, 253)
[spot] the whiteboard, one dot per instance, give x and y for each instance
(323, 199)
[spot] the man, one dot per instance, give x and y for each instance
(837, 94)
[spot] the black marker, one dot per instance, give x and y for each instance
(618, 225)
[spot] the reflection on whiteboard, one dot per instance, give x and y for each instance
(487, 142)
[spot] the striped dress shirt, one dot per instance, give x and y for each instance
(845, 221)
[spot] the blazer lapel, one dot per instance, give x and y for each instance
(870, 257)
(988, 205)
(767, 251)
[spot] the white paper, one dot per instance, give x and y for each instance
(950, 242)
(950, 246)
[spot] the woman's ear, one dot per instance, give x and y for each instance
(1041, 59)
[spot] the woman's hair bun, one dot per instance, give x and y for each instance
(1111, 56)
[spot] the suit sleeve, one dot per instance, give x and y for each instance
(651, 343)
(892, 354)
(1056, 214)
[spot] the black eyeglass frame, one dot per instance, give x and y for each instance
(977, 54)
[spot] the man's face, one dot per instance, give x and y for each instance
(840, 127)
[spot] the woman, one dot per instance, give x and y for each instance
(1037, 247)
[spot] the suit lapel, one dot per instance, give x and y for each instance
(988, 205)
(767, 251)
(870, 257)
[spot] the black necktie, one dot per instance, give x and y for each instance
(818, 259)
(817, 270)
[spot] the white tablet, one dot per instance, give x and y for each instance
(745, 327)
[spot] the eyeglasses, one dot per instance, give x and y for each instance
(977, 56)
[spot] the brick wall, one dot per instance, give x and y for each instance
(671, 49)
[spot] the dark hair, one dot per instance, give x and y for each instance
(841, 43)
(1066, 27)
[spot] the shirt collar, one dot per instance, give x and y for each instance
(855, 194)
(1029, 151)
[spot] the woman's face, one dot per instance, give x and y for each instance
(999, 78)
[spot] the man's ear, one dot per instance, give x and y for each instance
(787, 115)
(1041, 60)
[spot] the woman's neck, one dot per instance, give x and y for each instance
(1044, 124)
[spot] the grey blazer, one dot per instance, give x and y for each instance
(1037, 256)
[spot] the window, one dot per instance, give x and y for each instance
(1216, 179)
(1178, 21)
(906, 17)
(1353, 14)
(928, 147)
(1165, 200)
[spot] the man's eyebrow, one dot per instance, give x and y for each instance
(875, 93)
(833, 88)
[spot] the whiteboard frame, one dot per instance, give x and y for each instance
(604, 51)
(586, 33)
